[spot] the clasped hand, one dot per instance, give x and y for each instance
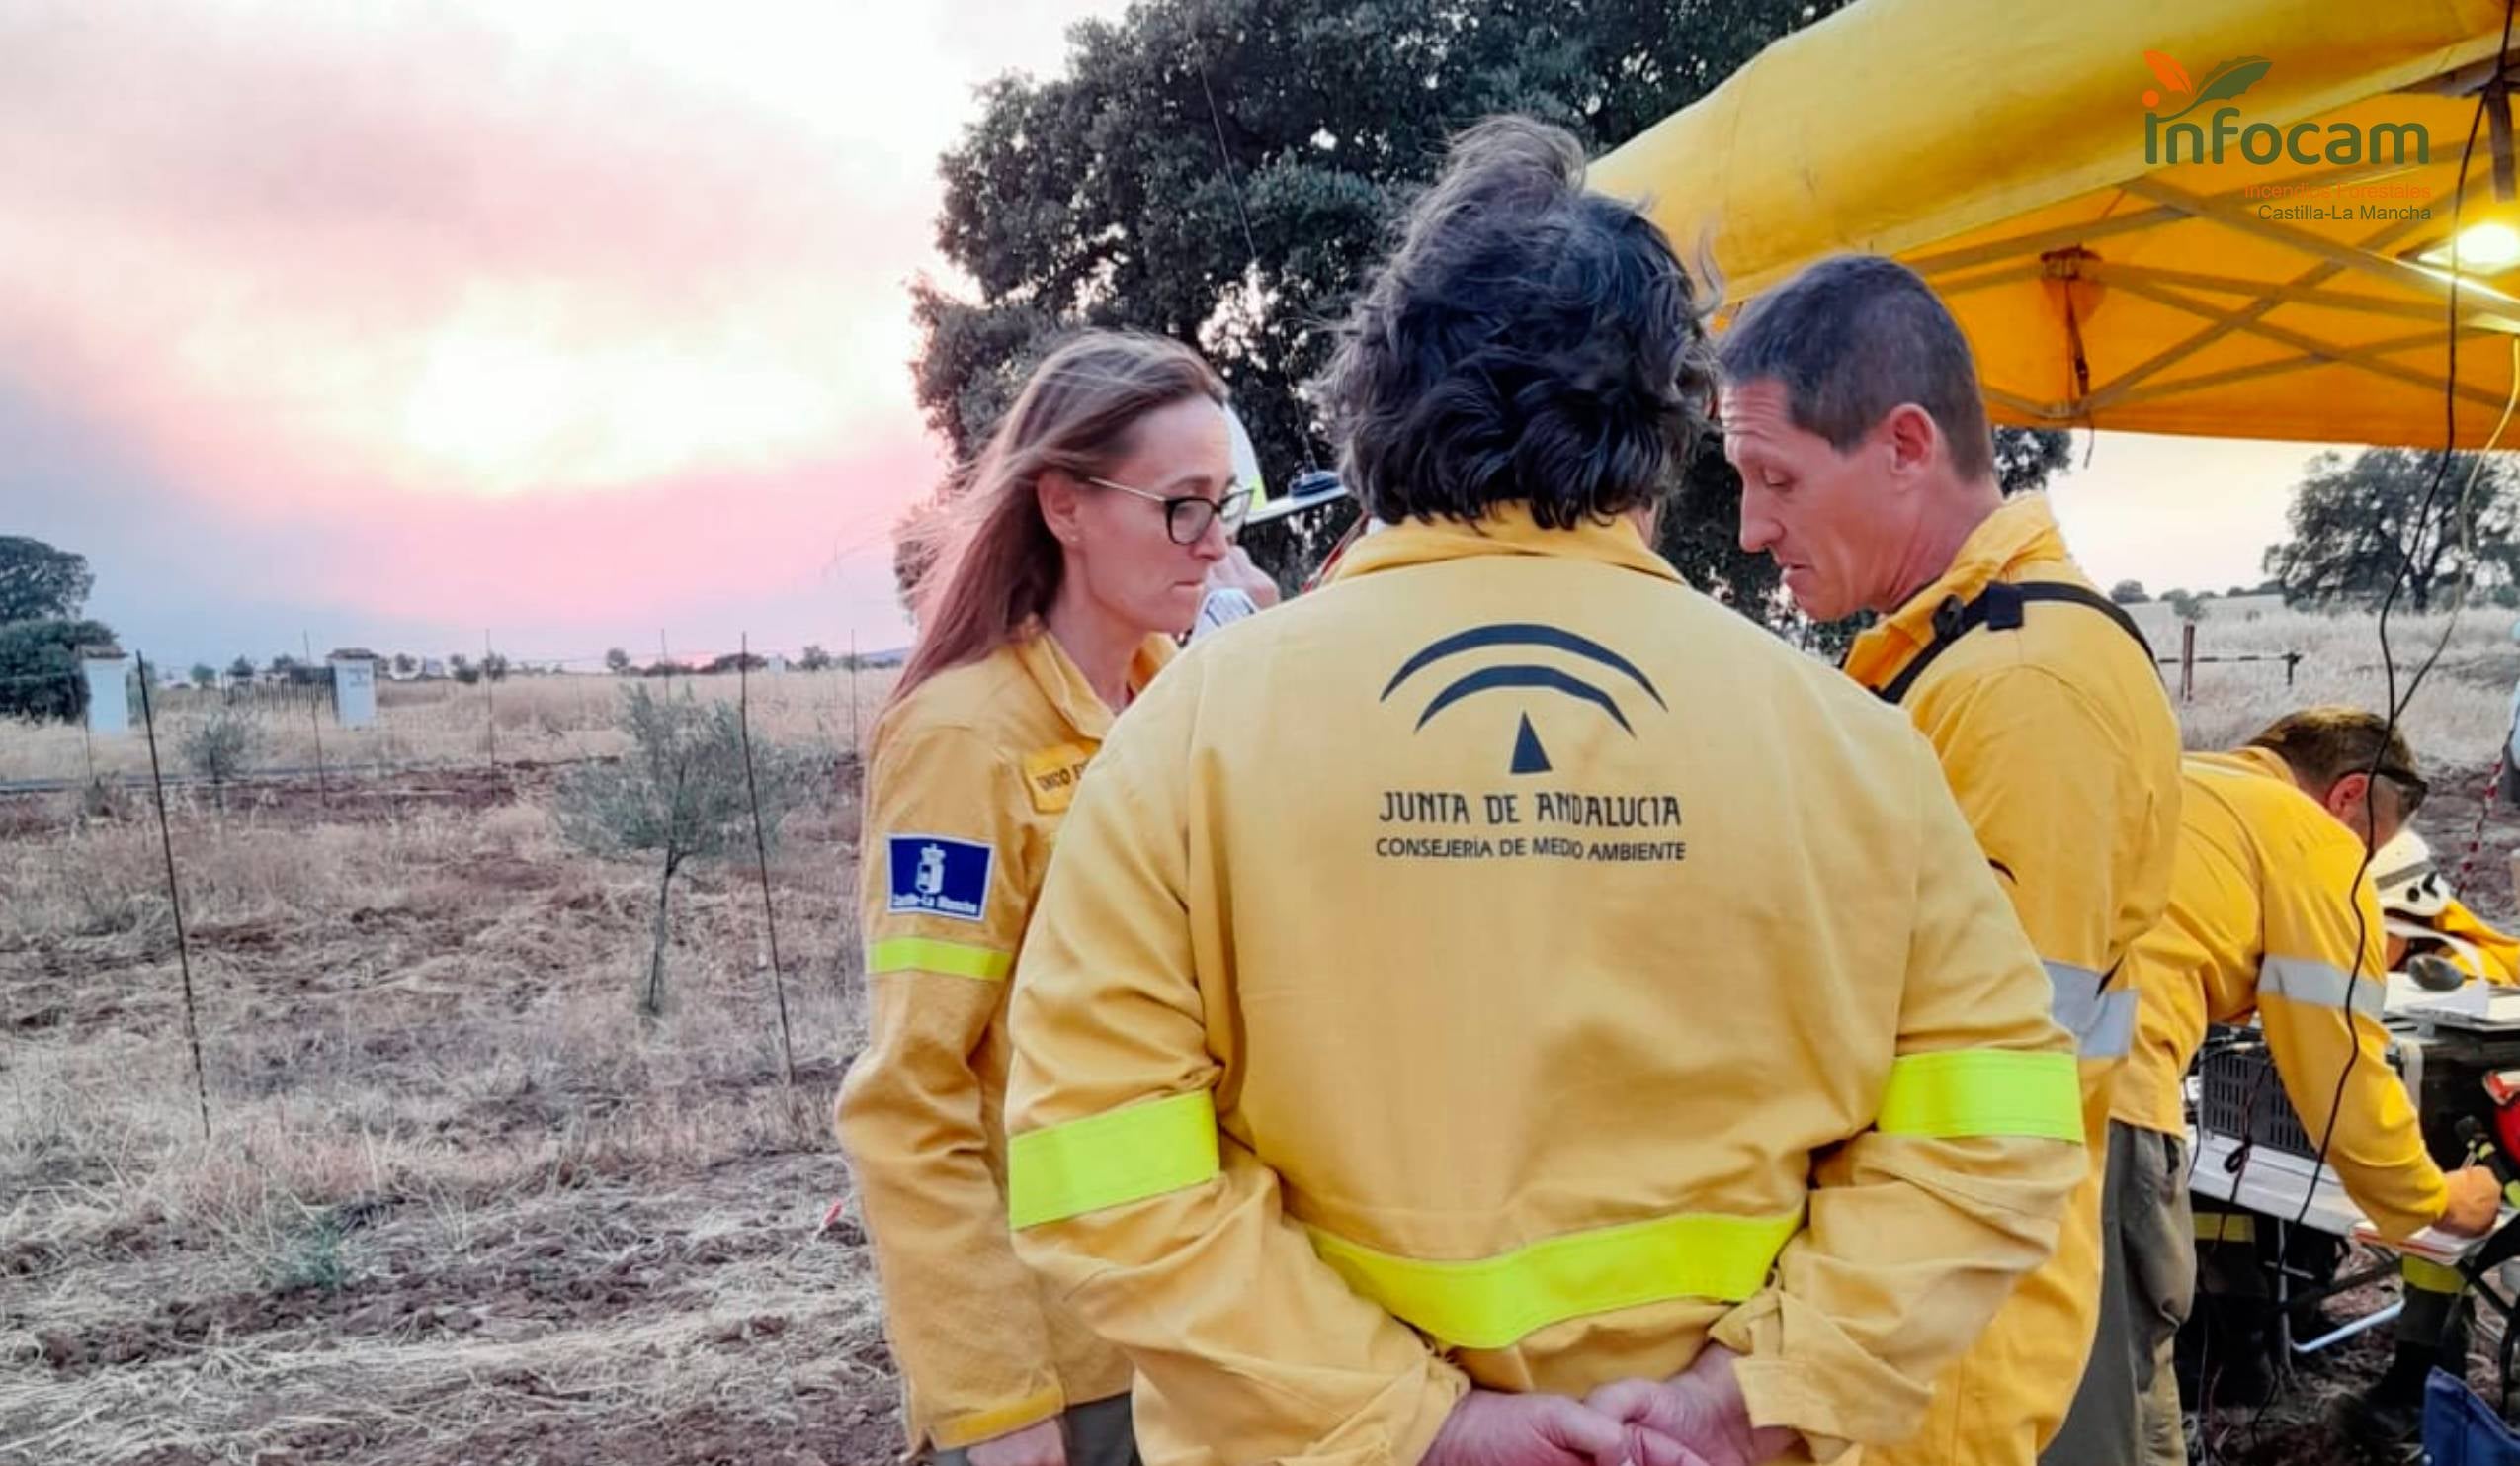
(1694, 1419)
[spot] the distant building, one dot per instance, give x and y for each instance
(893, 658)
(109, 700)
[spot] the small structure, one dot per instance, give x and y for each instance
(108, 689)
(778, 662)
(353, 686)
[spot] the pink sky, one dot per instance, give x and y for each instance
(573, 322)
(397, 321)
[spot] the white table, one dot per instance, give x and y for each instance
(2275, 1184)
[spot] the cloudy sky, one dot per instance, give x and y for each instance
(567, 320)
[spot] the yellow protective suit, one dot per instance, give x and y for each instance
(2064, 754)
(2267, 917)
(970, 777)
(1506, 964)
(2479, 950)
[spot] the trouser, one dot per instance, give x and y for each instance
(1099, 1433)
(2126, 1409)
(2432, 1330)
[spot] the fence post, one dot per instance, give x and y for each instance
(489, 701)
(2292, 659)
(316, 721)
(175, 904)
(2187, 661)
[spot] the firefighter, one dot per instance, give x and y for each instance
(2273, 914)
(1093, 525)
(1502, 1006)
(2425, 918)
(1852, 409)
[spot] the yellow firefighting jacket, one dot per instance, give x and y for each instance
(1506, 964)
(2265, 915)
(2476, 949)
(2064, 754)
(2460, 935)
(970, 777)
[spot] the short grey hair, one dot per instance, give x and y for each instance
(1528, 342)
(1853, 337)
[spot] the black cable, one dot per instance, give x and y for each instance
(1250, 244)
(2388, 668)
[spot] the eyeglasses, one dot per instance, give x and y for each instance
(1187, 518)
(2411, 789)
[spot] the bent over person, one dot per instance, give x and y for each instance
(1504, 1006)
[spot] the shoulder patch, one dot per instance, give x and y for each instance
(935, 876)
(1052, 774)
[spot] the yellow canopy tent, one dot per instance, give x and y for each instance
(2230, 217)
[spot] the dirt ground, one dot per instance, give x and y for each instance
(460, 1203)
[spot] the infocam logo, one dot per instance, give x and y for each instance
(2209, 139)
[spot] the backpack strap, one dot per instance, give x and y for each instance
(1999, 608)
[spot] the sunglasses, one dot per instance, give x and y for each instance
(2411, 787)
(1187, 518)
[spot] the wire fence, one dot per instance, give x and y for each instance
(788, 722)
(412, 716)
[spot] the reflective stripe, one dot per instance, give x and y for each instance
(927, 954)
(2225, 1226)
(1111, 1159)
(2112, 1034)
(987, 1425)
(2316, 983)
(1491, 1303)
(2427, 1276)
(1983, 1091)
(2100, 1017)
(2074, 998)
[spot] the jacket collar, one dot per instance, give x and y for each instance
(1503, 529)
(2021, 530)
(1056, 675)
(2265, 763)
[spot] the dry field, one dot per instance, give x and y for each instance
(458, 1202)
(443, 724)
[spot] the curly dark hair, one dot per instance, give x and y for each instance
(1527, 342)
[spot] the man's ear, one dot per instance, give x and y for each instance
(1912, 437)
(2346, 795)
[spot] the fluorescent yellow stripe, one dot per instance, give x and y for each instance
(1983, 1091)
(1491, 1303)
(988, 1425)
(927, 954)
(2225, 1226)
(1111, 1159)
(2427, 1276)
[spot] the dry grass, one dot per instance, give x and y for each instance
(458, 1202)
(2458, 716)
(445, 724)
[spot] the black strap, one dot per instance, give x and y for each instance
(1999, 608)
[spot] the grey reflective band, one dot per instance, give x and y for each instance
(2102, 1022)
(2112, 1033)
(2318, 985)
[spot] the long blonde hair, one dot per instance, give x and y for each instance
(998, 567)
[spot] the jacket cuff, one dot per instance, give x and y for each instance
(1800, 1372)
(956, 1431)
